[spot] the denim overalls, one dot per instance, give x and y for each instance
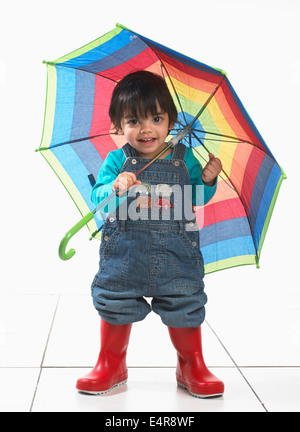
(150, 248)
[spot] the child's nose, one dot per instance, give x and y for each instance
(146, 127)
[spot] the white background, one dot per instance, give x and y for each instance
(256, 42)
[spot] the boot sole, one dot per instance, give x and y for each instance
(200, 396)
(100, 392)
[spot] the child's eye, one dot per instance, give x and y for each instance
(157, 119)
(133, 122)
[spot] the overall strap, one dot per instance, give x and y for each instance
(179, 151)
(129, 151)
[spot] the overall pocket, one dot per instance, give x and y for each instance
(113, 267)
(109, 240)
(190, 240)
(184, 263)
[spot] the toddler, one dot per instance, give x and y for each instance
(150, 239)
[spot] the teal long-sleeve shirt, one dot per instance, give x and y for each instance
(111, 168)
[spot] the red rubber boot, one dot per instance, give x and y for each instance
(191, 371)
(111, 369)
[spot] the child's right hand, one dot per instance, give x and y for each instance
(125, 181)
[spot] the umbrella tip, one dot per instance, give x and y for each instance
(284, 176)
(257, 262)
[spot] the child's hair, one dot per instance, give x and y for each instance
(137, 95)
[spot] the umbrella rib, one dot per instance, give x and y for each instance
(227, 136)
(81, 69)
(232, 187)
(190, 125)
(73, 141)
(207, 102)
(234, 139)
(162, 64)
(228, 141)
(175, 92)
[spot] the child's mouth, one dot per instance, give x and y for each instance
(147, 141)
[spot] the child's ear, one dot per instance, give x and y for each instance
(117, 131)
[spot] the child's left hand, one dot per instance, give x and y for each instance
(211, 170)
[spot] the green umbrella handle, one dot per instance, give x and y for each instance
(63, 244)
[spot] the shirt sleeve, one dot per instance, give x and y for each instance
(202, 193)
(109, 171)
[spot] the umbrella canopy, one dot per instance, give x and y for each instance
(78, 135)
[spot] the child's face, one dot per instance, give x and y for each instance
(147, 135)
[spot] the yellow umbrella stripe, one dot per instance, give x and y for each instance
(212, 119)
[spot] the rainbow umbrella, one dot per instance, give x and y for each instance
(77, 137)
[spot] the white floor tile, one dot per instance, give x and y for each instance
(23, 350)
(256, 327)
(26, 313)
(278, 388)
(147, 390)
(264, 333)
(25, 325)
(74, 339)
(17, 387)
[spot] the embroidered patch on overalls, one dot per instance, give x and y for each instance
(163, 190)
(163, 204)
(143, 202)
(143, 189)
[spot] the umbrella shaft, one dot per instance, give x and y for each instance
(155, 158)
(173, 141)
(105, 201)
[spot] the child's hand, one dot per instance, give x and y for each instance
(211, 170)
(125, 181)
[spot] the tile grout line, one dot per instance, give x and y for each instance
(236, 365)
(44, 354)
(155, 366)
